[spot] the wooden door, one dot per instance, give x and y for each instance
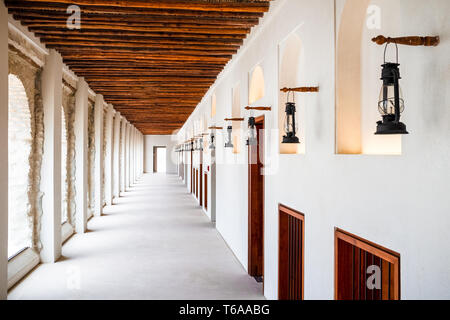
(201, 179)
(192, 174)
(155, 159)
(364, 270)
(205, 202)
(256, 205)
(290, 254)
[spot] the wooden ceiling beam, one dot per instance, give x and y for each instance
(24, 14)
(208, 6)
(53, 7)
(191, 29)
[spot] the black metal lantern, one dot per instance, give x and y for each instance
(290, 126)
(211, 141)
(229, 143)
(200, 144)
(191, 146)
(252, 139)
(390, 102)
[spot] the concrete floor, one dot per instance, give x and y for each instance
(154, 243)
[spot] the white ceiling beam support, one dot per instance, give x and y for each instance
(81, 155)
(116, 156)
(109, 154)
(50, 232)
(4, 153)
(98, 174)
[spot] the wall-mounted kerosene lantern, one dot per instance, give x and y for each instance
(229, 141)
(252, 138)
(390, 102)
(290, 125)
(212, 137)
(211, 141)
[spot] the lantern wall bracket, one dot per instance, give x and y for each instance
(258, 108)
(428, 41)
(234, 119)
(215, 128)
(300, 89)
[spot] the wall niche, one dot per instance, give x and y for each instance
(291, 63)
(358, 74)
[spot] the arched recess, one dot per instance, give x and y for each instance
(68, 99)
(64, 180)
(213, 105)
(291, 65)
(256, 85)
(91, 158)
(20, 230)
(236, 113)
(357, 82)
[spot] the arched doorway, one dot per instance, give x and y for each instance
(19, 141)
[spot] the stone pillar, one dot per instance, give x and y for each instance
(132, 156)
(4, 153)
(122, 154)
(109, 155)
(116, 155)
(128, 155)
(50, 233)
(81, 155)
(98, 124)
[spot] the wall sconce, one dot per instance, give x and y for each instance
(290, 125)
(390, 102)
(252, 138)
(229, 142)
(212, 137)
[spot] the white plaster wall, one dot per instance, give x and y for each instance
(167, 141)
(400, 202)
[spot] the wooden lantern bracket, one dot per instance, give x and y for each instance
(258, 108)
(429, 41)
(300, 89)
(215, 128)
(234, 119)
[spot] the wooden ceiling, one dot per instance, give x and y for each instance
(153, 60)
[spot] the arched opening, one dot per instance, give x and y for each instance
(19, 148)
(291, 63)
(357, 82)
(256, 85)
(213, 105)
(64, 174)
(236, 113)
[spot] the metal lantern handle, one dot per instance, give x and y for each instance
(293, 96)
(396, 51)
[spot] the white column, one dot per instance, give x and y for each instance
(4, 153)
(98, 125)
(122, 154)
(116, 155)
(132, 156)
(50, 232)
(109, 155)
(129, 156)
(81, 155)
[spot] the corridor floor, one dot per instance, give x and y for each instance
(155, 242)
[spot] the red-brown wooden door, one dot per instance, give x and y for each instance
(256, 205)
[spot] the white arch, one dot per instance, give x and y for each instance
(19, 141)
(256, 86)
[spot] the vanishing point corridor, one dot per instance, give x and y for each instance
(153, 243)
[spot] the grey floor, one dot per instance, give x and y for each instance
(154, 243)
